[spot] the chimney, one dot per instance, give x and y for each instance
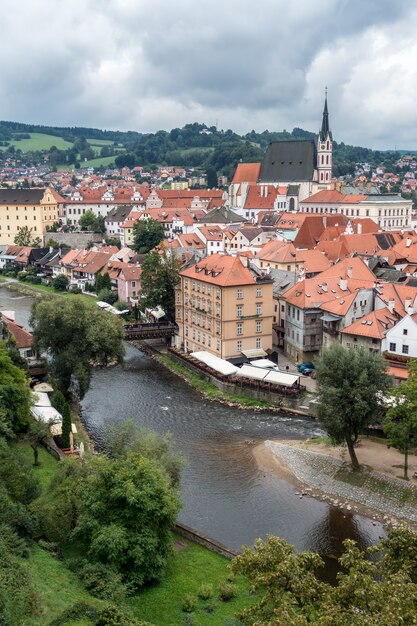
(359, 229)
(390, 305)
(343, 284)
(408, 242)
(349, 271)
(407, 304)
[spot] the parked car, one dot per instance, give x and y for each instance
(306, 368)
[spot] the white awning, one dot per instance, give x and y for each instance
(282, 378)
(254, 353)
(41, 399)
(265, 363)
(247, 371)
(217, 364)
(48, 414)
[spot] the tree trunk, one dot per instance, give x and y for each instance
(406, 463)
(352, 454)
(35, 454)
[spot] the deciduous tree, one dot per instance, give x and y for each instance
(160, 275)
(146, 235)
(76, 336)
(25, 237)
(400, 424)
(369, 592)
(349, 386)
(14, 392)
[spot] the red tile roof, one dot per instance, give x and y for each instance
(22, 336)
(373, 325)
(221, 270)
(246, 173)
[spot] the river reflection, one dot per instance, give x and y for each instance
(224, 494)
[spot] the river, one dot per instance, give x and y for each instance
(224, 494)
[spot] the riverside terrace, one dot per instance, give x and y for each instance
(152, 330)
(247, 377)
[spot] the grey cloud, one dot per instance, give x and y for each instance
(147, 65)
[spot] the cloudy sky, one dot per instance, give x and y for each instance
(150, 64)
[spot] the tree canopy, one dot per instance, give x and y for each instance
(76, 336)
(90, 221)
(400, 424)
(14, 392)
(147, 234)
(160, 275)
(349, 386)
(377, 591)
(25, 237)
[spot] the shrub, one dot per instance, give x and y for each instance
(210, 607)
(51, 547)
(226, 591)
(102, 581)
(78, 611)
(35, 280)
(188, 603)
(76, 290)
(189, 621)
(60, 282)
(107, 295)
(205, 592)
(113, 616)
(22, 275)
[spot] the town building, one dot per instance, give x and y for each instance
(224, 306)
(37, 209)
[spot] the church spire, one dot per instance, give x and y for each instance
(325, 128)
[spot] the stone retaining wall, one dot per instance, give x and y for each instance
(203, 540)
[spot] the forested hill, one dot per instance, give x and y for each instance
(195, 145)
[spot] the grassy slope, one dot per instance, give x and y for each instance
(28, 287)
(59, 588)
(39, 141)
(191, 567)
(97, 162)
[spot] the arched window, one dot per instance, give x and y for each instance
(328, 145)
(327, 175)
(292, 204)
(327, 160)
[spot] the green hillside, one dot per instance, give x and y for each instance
(40, 141)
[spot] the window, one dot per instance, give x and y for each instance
(239, 328)
(217, 292)
(239, 310)
(239, 345)
(405, 349)
(239, 294)
(259, 292)
(258, 327)
(405, 331)
(209, 289)
(218, 346)
(259, 309)
(392, 347)
(258, 343)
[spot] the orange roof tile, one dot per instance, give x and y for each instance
(373, 325)
(246, 173)
(221, 270)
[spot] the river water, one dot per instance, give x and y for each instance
(224, 494)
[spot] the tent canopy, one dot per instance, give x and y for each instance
(217, 364)
(255, 353)
(265, 363)
(44, 387)
(282, 378)
(248, 371)
(41, 399)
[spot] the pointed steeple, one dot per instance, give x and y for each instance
(325, 128)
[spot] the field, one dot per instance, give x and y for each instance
(98, 162)
(39, 141)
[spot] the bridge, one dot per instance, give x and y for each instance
(154, 330)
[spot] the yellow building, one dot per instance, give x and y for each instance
(37, 209)
(224, 307)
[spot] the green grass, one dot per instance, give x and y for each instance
(207, 388)
(57, 587)
(27, 288)
(47, 463)
(100, 142)
(98, 162)
(40, 141)
(192, 566)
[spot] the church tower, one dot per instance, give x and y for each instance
(324, 148)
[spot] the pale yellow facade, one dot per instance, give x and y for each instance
(38, 216)
(224, 320)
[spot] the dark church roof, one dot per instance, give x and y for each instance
(287, 161)
(21, 196)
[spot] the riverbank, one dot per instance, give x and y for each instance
(322, 471)
(208, 390)
(39, 291)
